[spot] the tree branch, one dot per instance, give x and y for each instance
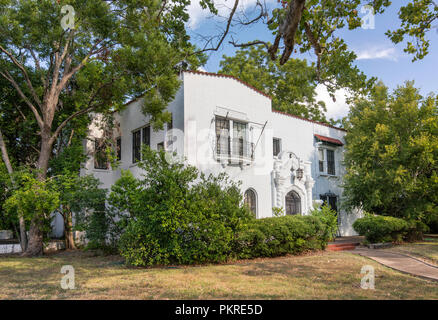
(289, 28)
(8, 77)
(227, 29)
(248, 44)
(26, 76)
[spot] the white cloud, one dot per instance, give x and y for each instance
(377, 53)
(335, 109)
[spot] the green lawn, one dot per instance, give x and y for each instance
(323, 275)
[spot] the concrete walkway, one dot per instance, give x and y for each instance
(400, 262)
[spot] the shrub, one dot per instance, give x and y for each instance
(33, 200)
(329, 218)
(388, 229)
(416, 230)
(277, 236)
(174, 215)
(432, 222)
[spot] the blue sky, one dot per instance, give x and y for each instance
(377, 55)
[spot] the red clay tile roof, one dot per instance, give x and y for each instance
(231, 77)
(256, 90)
(329, 140)
(309, 120)
(262, 93)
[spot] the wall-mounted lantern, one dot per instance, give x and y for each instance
(300, 173)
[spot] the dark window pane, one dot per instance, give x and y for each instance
(293, 203)
(251, 201)
(330, 162)
(147, 136)
(136, 138)
(119, 148)
(321, 166)
(276, 146)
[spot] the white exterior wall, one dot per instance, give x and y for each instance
(204, 96)
(207, 96)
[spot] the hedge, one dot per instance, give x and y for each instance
(378, 229)
(277, 236)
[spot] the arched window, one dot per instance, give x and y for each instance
(293, 203)
(251, 201)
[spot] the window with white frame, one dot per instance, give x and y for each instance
(326, 161)
(232, 139)
(276, 146)
(140, 137)
(101, 160)
(250, 200)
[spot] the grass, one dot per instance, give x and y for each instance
(323, 275)
(425, 250)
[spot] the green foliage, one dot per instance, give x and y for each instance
(7, 221)
(82, 201)
(174, 215)
(277, 212)
(432, 223)
(34, 200)
(316, 33)
(271, 237)
(377, 229)
(391, 154)
(291, 86)
(417, 18)
(329, 218)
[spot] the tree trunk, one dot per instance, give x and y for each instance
(35, 246)
(68, 230)
(5, 156)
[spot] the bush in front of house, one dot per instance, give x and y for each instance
(329, 218)
(174, 215)
(377, 229)
(277, 236)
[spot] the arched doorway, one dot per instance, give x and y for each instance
(293, 203)
(251, 201)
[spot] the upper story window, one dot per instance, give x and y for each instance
(139, 137)
(100, 155)
(321, 159)
(232, 139)
(327, 163)
(239, 139)
(326, 153)
(276, 146)
(330, 162)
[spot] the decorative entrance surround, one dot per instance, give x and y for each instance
(287, 178)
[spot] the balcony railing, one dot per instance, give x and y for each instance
(236, 149)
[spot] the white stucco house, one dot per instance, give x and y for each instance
(221, 124)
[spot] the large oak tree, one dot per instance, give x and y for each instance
(391, 154)
(93, 55)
